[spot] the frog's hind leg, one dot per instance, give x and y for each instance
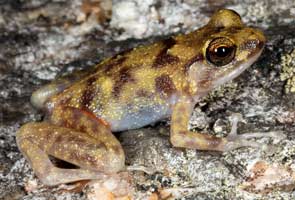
(84, 141)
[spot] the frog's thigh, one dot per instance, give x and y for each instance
(95, 155)
(182, 137)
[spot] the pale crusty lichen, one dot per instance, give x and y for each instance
(288, 71)
(227, 90)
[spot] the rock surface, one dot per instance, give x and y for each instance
(43, 39)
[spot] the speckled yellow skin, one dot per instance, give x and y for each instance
(131, 90)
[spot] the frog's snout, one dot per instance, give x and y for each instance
(254, 43)
(260, 39)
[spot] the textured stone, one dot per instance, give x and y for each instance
(43, 39)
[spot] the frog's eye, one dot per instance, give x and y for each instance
(220, 51)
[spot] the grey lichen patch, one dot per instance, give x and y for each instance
(285, 154)
(216, 99)
(226, 90)
(288, 71)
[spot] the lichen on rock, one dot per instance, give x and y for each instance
(288, 71)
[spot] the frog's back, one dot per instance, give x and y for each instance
(133, 86)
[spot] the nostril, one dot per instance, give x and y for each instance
(251, 44)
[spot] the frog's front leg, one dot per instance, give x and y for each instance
(181, 137)
(75, 136)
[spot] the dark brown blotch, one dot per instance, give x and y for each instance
(165, 85)
(234, 30)
(218, 28)
(124, 77)
(143, 93)
(58, 139)
(164, 58)
(89, 92)
(87, 97)
(116, 61)
(82, 128)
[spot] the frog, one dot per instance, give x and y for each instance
(135, 88)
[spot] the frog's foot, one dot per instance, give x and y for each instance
(236, 141)
(88, 144)
(119, 186)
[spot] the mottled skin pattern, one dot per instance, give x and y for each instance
(134, 89)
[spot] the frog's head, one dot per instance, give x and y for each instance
(228, 48)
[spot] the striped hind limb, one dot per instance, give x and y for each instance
(97, 154)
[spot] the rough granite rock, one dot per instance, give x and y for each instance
(42, 39)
